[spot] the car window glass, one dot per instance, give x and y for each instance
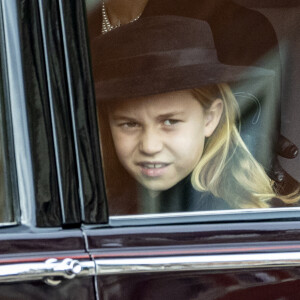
(7, 203)
(195, 113)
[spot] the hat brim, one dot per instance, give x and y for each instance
(174, 79)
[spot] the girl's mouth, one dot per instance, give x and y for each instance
(153, 169)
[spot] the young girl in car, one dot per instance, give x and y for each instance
(172, 120)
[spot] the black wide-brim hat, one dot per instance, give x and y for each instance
(161, 54)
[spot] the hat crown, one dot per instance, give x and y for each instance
(160, 54)
(154, 34)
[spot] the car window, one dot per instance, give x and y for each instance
(195, 114)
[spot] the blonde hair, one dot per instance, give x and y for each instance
(227, 169)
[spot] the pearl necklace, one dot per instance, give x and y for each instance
(106, 25)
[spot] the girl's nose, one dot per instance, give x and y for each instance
(150, 142)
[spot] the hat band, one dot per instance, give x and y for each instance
(153, 61)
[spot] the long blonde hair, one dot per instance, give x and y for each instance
(227, 169)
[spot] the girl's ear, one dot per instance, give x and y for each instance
(212, 117)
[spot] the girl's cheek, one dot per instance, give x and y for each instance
(180, 137)
(125, 144)
(117, 139)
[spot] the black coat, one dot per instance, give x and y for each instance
(180, 198)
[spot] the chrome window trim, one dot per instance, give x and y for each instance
(59, 270)
(207, 216)
(8, 224)
(197, 263)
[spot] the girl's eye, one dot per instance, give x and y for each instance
(170, 122)
(129, 125)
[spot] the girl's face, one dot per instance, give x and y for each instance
(159, 139)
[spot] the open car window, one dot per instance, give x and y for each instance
(168, 144)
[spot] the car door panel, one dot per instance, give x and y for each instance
(233, 285)
(43, 264)
(73, 289)
(197, 261)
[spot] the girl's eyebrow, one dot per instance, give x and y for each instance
(122, 117)
(170, 115)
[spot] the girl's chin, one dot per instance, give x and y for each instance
(155, 188)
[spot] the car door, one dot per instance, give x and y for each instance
(47, 181)
(235, 254)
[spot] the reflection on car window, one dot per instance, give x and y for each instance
(190, 107)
